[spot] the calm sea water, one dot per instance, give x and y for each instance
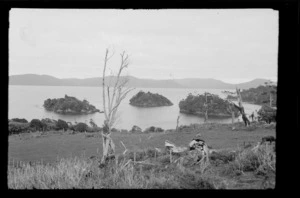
(27, 102)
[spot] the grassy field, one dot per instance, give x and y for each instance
(64, 160)
(51, 145)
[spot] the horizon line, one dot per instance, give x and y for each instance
(146, 78)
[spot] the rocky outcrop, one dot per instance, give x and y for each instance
(69, 105)
(143, 99)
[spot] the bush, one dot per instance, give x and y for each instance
(17, 127)
(136, 129)
(153, 129)
(267, 114)
(22, 120)
(93, 129)
(61, 124)
(81, 127)
(36, 124)
(49, 124)
(114, 130)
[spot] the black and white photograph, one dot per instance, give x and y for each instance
(142, 98)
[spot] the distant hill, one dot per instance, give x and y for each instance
(252, 84)
(205, 83)
(46, 80)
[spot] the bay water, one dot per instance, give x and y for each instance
(27, 102)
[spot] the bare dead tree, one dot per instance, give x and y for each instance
(111, 101)
(231, 105)
(241, 107)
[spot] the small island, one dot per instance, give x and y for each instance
(143, 99)
(216, 106)
(69, 105)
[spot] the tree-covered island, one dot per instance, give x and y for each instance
(148, 99)
(209, 104)
(69, 105)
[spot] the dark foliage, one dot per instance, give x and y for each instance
(17, 127)
(153, 129)
(136, 129)
(259, 95)
(21, 120)
(49, 124)
(61, 124)
(216, 106)
(267, 114)
(81, 127)
(69, 105)
(143, 99)
(36, 124)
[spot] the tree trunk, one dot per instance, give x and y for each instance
(206, 108)
(241, 108)
(177, 123)
(206, 116)
(107, 144)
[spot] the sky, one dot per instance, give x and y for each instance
(233, 45)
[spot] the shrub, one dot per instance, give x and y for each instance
(17, 127)
(153, 129)
(114, 130)
(61, 124)
(136, 129)
(267, 114)
(93, 129)
(22, 120)
(81, 127)
(49, 124)
(124, 131)
(37, 124)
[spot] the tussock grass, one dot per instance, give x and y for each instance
(67, 173)
(150, 171)
(261, 162)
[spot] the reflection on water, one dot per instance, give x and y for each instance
(27, 102)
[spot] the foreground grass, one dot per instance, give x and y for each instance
(239, 169)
